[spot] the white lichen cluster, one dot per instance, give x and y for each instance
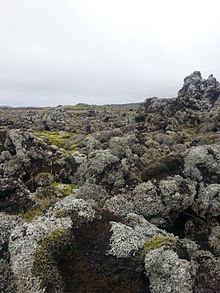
(126, 240)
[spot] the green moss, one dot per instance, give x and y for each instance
(63, 189)
(42, 174)
(29, 215)
(138, 177)
(56, 190)
(59, 214)
(37, 177)
(73, 147)
(55, 138)
(157, 242)
(49, 252)
(54, 234)
(46, 198)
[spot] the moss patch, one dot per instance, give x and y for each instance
(59, 214)
(63, 189)
(156, 242)
(29, 215)
(55, 138)
(46, 198)
(56, 246)
(40, 179)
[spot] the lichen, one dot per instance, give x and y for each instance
(214, 239)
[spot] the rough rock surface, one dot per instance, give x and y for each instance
(168, 273)
(114, 198)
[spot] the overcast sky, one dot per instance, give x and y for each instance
(104, 51)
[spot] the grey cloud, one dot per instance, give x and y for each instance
(64, 52)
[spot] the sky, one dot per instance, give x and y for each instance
(104, 51)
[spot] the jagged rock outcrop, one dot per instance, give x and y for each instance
(197, 95)
(198, 92)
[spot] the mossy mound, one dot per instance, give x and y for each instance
(47, 197)
(58, 139)
(55, 248)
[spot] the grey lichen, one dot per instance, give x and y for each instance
(167, 272)
(127, 240)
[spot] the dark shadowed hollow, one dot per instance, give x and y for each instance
(77, 262)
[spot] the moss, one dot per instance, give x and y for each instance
(63, 189)
(29, 215)
(156, 242)
(138, 177)
(54, 234)
(55, 138)
(73, 147)
(51, 250)
(55, 190)
(59, 214)
(33, 182)
(42, 174)
(46, 198)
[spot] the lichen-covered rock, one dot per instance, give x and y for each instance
(202, 163)
(22, 246)
(126, 240)
(177, 193)
(148, 202)
(93, 193)
(70, 205)
(102, 167)
(7, 223)
(106, 135)
(120, 205)
(162, 202)
(207, 203)
(97, 164)
(121, 146)
(14, 195)
(197, 96)
(214, 239)
(199, 92)
(167, 272)
(25, 237)
(207, 267)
